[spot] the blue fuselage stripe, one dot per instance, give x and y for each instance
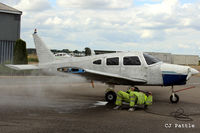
(173, 79)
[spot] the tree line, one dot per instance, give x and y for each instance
(20, 52)
(87, 51)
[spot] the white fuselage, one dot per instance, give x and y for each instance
(132, 65)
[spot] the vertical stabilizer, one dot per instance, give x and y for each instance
(43, 53)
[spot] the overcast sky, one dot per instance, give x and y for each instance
(131, 25)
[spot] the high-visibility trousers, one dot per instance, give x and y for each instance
(141, 97)
(149, 100)
(129, 98)
(121, 96)
(133, 99)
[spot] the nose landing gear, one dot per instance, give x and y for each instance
(174, 98)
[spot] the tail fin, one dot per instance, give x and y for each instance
(43, 53)
(92, 52)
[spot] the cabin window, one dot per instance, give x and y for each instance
(112, 61)
(97, 62)
(131, 60)
(150, 59)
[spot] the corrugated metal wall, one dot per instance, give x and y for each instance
(6, 51)
(10, 26)
(9, 33)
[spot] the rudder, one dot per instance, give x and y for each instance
(44, 54)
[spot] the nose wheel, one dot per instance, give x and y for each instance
(174, 98)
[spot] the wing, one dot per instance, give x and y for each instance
(111, 78)
(23, 67)
(108, 78)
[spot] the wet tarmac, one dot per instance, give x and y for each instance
(50, 104)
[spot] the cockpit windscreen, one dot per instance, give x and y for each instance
(150, 59)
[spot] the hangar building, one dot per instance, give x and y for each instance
(10, 20)
(166, 57)
(176, 59)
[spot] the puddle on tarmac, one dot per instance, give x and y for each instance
(99, 103)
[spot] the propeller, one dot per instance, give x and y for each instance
(191, 71)
(189, 74)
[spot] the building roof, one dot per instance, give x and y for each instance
(7, 9)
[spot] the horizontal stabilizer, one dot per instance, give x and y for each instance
(23, 67)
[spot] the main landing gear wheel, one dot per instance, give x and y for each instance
(174, 98)
(110, 97)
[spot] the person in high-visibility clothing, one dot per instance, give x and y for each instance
(133, 96)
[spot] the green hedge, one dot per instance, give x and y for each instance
(20, 53)
(33, 60)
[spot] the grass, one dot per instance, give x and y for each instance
(32, 59)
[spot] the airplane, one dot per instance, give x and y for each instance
(122, 68)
